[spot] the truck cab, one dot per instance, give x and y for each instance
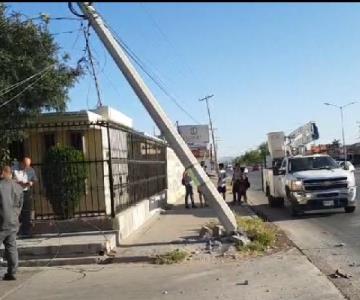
(310, 182)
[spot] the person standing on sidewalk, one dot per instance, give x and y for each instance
(222, 181)
(244, 184)
(235, 183)
(11, 201)
(201, 195)
(26, 177)
(188, 183)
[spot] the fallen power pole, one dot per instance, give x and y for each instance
(149, 101)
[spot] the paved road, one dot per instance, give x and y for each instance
(331, 239)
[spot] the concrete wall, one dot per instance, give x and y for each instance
(175, 170)
(132, 218)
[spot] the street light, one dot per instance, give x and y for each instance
(342, 123)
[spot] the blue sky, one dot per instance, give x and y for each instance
(270, 66)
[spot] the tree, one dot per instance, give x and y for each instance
(336, 143)
(253, 157)
(64, 174)
(27, 48)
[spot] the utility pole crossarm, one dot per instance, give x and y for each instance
(149, 101)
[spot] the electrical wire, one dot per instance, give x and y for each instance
(71, 31)
(156, 81)
(167, 40)
(10, 88)
(90, 56)
(25, 89)
(74, 12)
(142, 66)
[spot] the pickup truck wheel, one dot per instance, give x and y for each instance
(280, 202)
(272, 201)
(296, 212)
(350, 209)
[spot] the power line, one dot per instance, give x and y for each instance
(90, 56)
(142, 66)
(26, 88)
(14, 86)
(167, 39)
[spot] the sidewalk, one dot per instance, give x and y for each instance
(284, 275)
(175, 228)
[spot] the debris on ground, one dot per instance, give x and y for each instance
(240, 240)
(205, 233)
(340, 274)
(219, 231)
(246, 282)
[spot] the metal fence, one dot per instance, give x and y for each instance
(122, 166)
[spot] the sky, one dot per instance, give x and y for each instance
(270, 66)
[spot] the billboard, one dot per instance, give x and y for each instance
(195, 135)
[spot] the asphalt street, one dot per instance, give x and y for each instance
(330, 239)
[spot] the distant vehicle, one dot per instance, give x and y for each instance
(346, 166)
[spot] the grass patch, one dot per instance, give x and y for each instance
(171, 257)
(261, 234)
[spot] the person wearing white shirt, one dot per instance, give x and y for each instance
(222, 180)
(26, 177)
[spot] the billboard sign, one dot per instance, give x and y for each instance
(195, 135)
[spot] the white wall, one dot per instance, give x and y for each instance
(175, 170)
(132, 218)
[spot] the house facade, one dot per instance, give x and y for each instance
(127, 171)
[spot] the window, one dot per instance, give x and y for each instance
(49, 141)
(76, 140)
(312, 163)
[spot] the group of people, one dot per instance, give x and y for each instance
(240, 184)
(16, 183)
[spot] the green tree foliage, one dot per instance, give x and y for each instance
(254, 157)
(26, 48)
(64, 176)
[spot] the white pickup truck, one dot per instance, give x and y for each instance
(310, 182)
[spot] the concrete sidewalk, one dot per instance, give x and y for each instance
(174, 228)
(287, 274)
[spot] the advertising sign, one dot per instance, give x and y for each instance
(195, 135)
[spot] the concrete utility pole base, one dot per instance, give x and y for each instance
(149, 101)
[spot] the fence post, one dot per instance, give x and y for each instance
(111, 179)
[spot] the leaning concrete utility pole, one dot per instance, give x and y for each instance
(149, 101)
(212, 131)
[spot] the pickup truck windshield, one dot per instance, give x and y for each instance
(311, 163)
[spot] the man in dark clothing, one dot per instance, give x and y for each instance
(11, 201)
(244, 184)
(235, 184)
